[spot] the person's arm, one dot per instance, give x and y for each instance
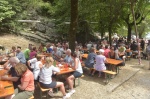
(76, 62)
(55, 69)
(40, 65)
(14, 79)
(23, 85)
(6, 65)
(28, 63)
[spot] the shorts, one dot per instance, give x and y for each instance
(76, 74)
(51, 85)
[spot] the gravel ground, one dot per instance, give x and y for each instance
(131, 83)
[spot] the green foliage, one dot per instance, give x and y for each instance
(5, 10)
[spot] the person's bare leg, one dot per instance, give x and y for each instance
(62, 88)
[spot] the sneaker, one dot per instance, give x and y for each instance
(72, 92)
(50, 93)
(66, 96)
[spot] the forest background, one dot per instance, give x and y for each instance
(72, 20)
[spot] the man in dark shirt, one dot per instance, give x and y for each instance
(134, 47)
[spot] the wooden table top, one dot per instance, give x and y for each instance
(65, 71)
(7, 88)
(113, 61)
(84, 55)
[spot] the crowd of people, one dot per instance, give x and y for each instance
(26, 68)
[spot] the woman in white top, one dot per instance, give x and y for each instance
(77, 73)
(37, 67)
(46, 78)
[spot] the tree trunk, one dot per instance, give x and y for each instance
(110, 32)
(73, 24)
(129, 33)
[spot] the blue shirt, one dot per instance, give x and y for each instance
(21, 57)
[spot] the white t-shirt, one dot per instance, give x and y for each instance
(36, 70)
(33, 62)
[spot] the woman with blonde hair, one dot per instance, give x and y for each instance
(46, 78)
(26, 88)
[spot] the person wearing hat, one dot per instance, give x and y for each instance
(100, 62)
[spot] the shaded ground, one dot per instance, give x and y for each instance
(133, 81)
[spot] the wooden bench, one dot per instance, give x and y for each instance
(42, 90)
(128, 57)
(32, 97)
(78, 80)
(108, 75)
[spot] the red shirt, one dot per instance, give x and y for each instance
(106, 53)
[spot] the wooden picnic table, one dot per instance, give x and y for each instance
(7, 86)
(3, 60)
(112, 62)
(84, 55)
(65, 71)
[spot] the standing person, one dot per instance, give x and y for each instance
(14, 77)
(148, 52)
(89, 62)
(26, 88)
(76, 65)
(46, 78)
(20, 55)
(100, 62)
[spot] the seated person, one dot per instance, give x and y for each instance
(100, 62)
(77, 73)
(128, 51)
(89, 62)
(36, 70)
(42, 48)
(46, 78)
(121, 52)
(26, 88)
(134, 48)
(31, 63)
(13, 51)
(20, 55)
(56, 54)
(106, 51)
(68, 58)
(14, 77)
(78, 52)
(49, 49)
(27, 52)
(33, 53)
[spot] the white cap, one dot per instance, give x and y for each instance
(101, 51)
